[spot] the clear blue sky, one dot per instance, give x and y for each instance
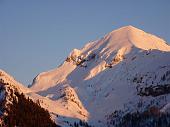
(37, 35)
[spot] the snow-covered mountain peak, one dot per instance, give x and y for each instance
(130, 35)
(127, 29)
(113, 48)
(124, 38)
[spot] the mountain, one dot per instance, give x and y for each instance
(107, 75)
(122, 79)
(124, 41)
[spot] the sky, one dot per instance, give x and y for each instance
(37, 35)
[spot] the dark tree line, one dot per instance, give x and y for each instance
(23, 112)
(145, 119)
(155, 91)
(81, 124)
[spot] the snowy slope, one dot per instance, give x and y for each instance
(55, 108)
(103, 74)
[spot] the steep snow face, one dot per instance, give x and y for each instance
(109, 75)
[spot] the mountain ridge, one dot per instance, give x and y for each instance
(112, 45)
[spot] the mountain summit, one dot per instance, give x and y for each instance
(130, 35)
